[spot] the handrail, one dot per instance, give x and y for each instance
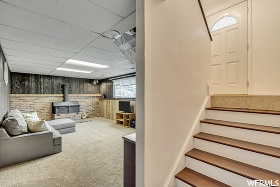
(205, 20)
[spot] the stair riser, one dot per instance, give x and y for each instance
(242, 134)
(255, 102)
(216, 173)
(243, 117)
(259, 160)
(180, 183)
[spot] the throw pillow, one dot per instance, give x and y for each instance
(36, 126)
(33, 116)
(11, 125)
(15, 123)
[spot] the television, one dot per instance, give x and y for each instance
(124, 106)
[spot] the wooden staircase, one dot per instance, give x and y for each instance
(235, 147)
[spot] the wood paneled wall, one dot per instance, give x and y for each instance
(110, 107)
(106, 89)
(22, 83)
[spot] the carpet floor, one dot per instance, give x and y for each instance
(91, 157)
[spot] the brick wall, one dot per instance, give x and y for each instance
(42, 103)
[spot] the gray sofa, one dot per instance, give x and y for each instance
(28, 146)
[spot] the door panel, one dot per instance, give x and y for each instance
(228, 66)
(232, 73)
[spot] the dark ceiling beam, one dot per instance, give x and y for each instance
(121, 76)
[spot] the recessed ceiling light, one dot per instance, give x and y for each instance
(88, 64)
(73, 70)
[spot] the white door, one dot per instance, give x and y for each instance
(228, 66)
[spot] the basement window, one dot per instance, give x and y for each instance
(225, 21)
(125, 88)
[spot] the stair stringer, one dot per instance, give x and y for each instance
(179, 163)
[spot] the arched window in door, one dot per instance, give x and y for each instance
(225, 21)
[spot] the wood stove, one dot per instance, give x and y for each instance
(65, 107)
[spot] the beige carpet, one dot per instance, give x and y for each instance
(91, 157)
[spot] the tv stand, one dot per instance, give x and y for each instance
(124, 118)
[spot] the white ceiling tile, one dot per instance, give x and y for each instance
(32, 56)
(81, 13)
(26, 20)
(126, 24)
(105, 44)
(30, 62)
(41, 40)
(87, 15)
(44, 7)
(32, 66)
(38, 35)
(33, 70)
(120, 7)
(32, 49)
(92, 53)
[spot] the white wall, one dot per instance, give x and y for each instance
(214, 6)
(140, 77)
(177, 51)
(265, 47)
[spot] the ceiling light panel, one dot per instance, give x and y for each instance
(87, 64)
(73, 70)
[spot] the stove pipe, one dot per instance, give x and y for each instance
(65, 92)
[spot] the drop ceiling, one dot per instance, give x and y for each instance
(38, 36)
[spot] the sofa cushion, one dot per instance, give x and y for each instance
(15, 123)
(11, 125)
(62, 123)
(19, 117)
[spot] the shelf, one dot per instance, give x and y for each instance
(124, 118)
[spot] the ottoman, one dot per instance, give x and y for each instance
(64, 126)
